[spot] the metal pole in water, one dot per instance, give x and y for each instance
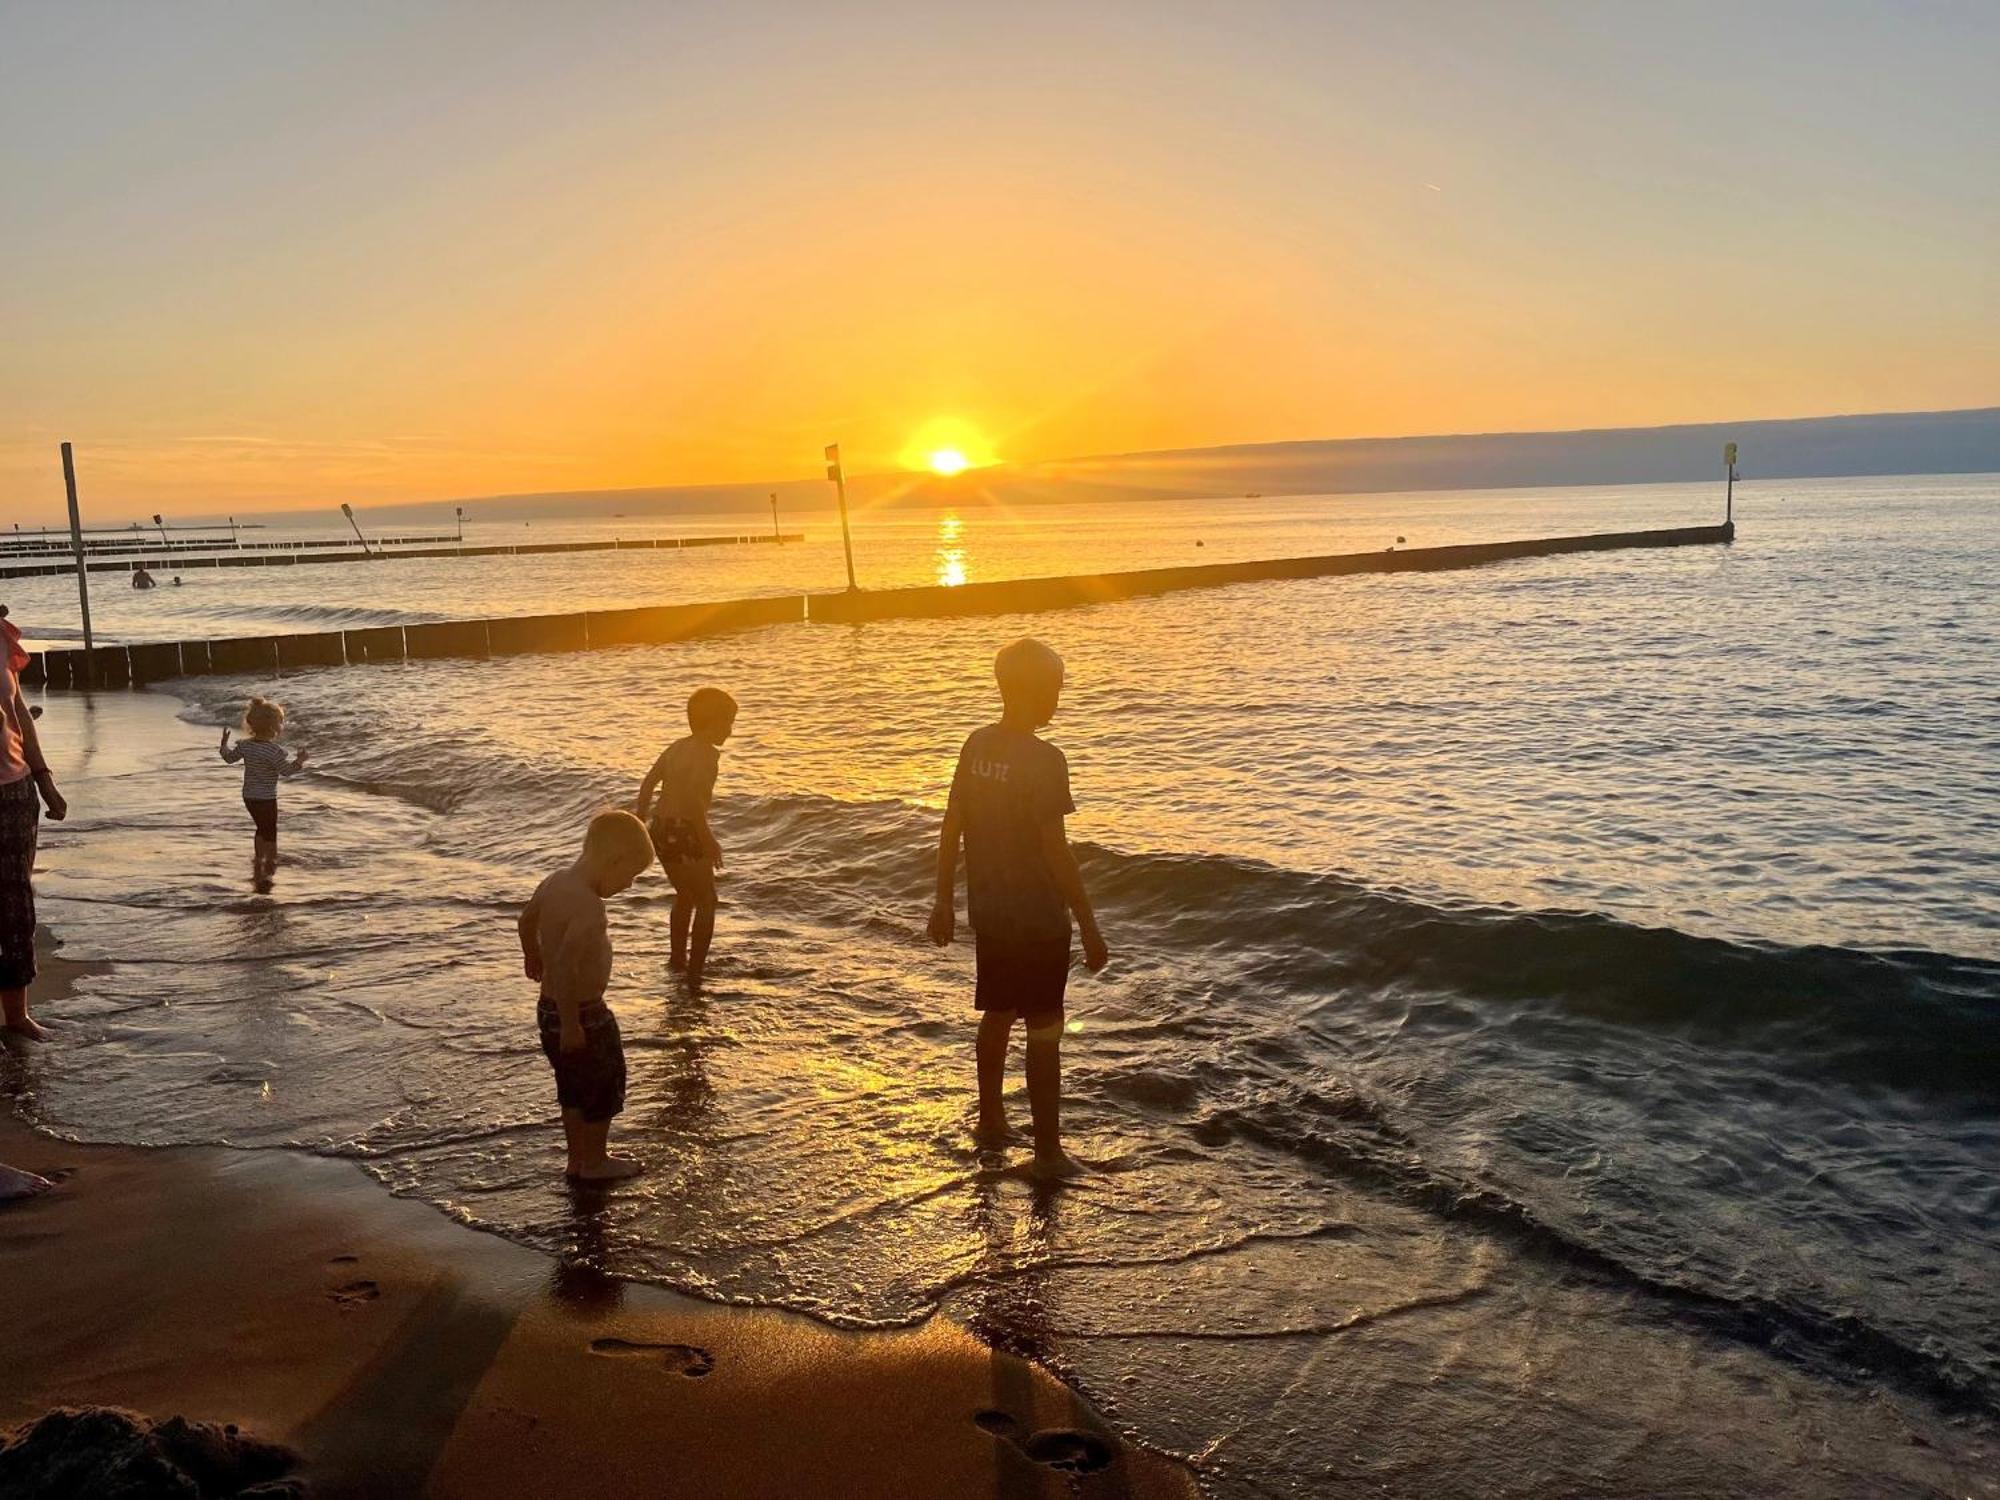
(1729, 491)
(840, 488)
(460, 512)
(164, 543)
(776, 535)
(76, 546)
(348, 511)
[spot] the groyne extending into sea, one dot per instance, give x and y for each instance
(137, 664)
(271, 558)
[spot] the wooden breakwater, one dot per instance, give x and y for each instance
(136, 665)
(355, 554)
(1008, 596)
(105, 546)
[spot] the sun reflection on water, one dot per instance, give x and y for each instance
(950, 555)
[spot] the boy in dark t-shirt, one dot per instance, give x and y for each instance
(1008, 800)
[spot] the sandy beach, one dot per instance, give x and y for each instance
(398, 1353)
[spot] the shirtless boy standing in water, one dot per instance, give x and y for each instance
(566, 947)
(1008, 800)
(684, 777)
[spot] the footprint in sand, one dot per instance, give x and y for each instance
(1063, 1448)
(354, 1293)
(681, 1359)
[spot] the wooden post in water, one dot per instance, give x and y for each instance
(840, 488)
(348, 511)
(82, 572)
(1729, 491)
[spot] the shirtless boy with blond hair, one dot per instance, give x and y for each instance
(566, 948)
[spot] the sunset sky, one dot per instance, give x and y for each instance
(284, 254)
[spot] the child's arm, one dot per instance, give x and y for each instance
(643, 803)
(1069, 881)
(944, 912)
(293, 766)
(531, 938)
(708, 842)
(562, 984)
(230, 753)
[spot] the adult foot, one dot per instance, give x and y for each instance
(611, 1169)
(30, 1028)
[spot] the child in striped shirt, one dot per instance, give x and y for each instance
(263, 763)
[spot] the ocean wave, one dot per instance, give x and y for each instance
(1907, 1019)
(1836, 1342)
(1904, 1019)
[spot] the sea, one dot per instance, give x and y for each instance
(1552, 1039)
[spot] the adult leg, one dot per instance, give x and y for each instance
(995, 1026)
(19, 821)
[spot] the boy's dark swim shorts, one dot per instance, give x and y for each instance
(1025, 977)
(590, 1081)
(678, 841)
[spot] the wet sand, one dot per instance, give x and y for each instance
(402, 1354)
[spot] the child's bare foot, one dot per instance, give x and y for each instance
(30, 1028)
(991, 1135)
(611, 1169)
(1055, 1166)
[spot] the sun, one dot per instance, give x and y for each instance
(947, 446)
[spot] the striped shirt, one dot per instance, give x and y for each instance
(264, 761)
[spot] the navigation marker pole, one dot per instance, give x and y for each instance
(776, 535)
(82, 572)
(1729, 493)
(840, 488)
(348, 511)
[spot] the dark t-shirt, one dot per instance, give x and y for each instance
(1007, 787)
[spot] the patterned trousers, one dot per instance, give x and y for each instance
(20, 817)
